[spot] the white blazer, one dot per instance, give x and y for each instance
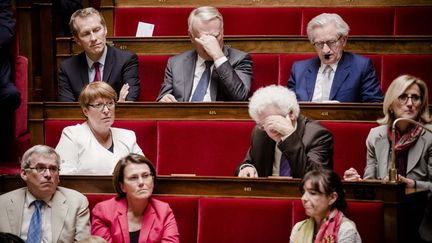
(81, 153)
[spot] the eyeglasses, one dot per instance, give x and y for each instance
(331, 43)
(135, 178)
(101, 106)
(403, 99)
(42, 169)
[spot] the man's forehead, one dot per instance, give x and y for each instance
(45, 159)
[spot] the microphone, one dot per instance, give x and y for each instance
(393, 173)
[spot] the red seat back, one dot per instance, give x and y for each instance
(413, 20)
(151, 72)
(349, 140)
(265, 71)
(244, 220)
(213, 148)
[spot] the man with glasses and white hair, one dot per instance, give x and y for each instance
(211, 71)
(284, 143)
(333, 75)
(44, 211)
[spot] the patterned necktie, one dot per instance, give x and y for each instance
(326, 83)
(203, 83)
(97, 76)
(284, 167)
(35, 228)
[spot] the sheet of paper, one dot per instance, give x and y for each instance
(144, 30)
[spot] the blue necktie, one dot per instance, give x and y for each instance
(35, 229)
(284, 168)
(203, 83)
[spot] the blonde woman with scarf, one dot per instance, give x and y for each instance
(406, 97)
(324, 202)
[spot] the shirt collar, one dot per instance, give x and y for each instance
(101, 60)
(30, 198)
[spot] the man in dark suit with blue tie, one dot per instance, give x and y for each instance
(333, 75)
(98, 61)
(210, 72)
(284, 143)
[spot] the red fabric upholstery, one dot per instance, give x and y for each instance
(368, 217)
(145, 132)
(53, 130)
(202, 147)
(285, 63)
(167, 21)
(146, 135)
(151, 72)
(97, 198)
(185, 210)
(21, 82)
(362, 21)
(349, 140)
(261, 21)
(265, 70)
(413, 20)
(417, 65)
(244, 220)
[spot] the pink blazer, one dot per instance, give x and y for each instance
(110, 221)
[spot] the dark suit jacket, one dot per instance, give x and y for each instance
(121, 67)
(309, 147)
(70, 218)
(354, 80)
(233, 78)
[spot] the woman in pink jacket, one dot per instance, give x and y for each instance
(133, 216)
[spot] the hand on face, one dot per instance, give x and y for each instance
(277, 126)
(211, 46)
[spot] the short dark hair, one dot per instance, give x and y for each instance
(330, 181)
(118, 174)
(10, 238)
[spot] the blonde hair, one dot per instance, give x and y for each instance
(396, 89)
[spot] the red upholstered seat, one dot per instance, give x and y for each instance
(213, 148)
(151, 72)
(145, 132)
(185, 210)
(362, 21)
(265, 71)
(368, 217)
(244, 220)
(413, 20)
(167, 21)
(97, 198)
(261, 21)
(349, 141)
(418, 65)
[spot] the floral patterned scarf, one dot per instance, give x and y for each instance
(403, 144)
(327, 233)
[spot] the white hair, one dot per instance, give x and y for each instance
(325, 19)
(274, 95)
(40, 149)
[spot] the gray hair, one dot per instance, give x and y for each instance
(43, 150)
(396, 89)
(205, 13)
(274, 95)
(325, 19)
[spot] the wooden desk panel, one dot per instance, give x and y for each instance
(257, 44)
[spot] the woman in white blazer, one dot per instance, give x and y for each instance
(94, 147)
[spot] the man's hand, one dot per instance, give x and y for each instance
(211, 45)
(278, 126)
(123, 93)
(248, 171)
(352, 175)
(168, 98)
